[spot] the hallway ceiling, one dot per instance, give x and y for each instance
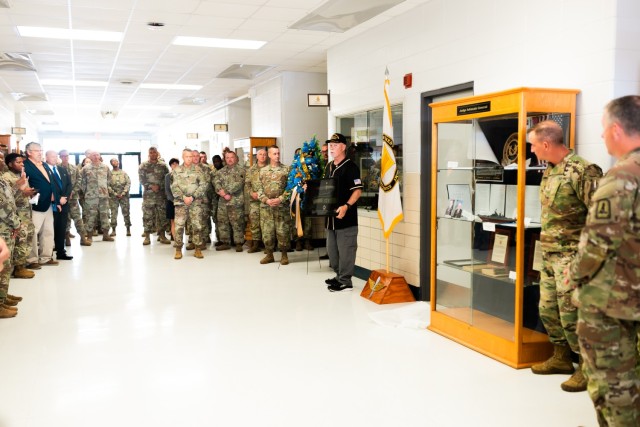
(110, 93)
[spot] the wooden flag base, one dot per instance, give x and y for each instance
(387, 288)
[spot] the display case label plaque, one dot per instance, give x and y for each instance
(480, 107)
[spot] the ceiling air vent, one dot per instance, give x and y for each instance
(16, 61)
(243, 71)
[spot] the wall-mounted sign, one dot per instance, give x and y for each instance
(19, 131)
(318, 99)
(480, 107)
(221, 128)
(192, 136)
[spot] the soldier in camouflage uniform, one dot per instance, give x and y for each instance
(216, 165)
(229, 184)
(119, 186)
(74, 206)
(565, 192)
(152, 173)
(275, 219)
(188, 188)
(9, 229)
(22, 192)
(251, 184)
(606, 274)
(204, 169)
(95, 187)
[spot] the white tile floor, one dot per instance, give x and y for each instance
(124, 335)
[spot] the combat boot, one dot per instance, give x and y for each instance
(307, 244)
(559, 363)
(147, 240)
(90, 237)
(198, 253)
(95, 231)
(268, 258)
(162, 238)
(84, 241)
(577, 382)
(71, 235)
(299, 245)
(254, 247)
(113, 233)
(178, 254)
(238, 248)
(10, 302)
(106, 237)
(67, 239)
(9, 307)
(6, 314)
(223, 247)
(128, 231)
(20, 272)
(190, 246)
(284, 259)
(13, 298)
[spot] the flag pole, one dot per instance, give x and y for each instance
(387, 255)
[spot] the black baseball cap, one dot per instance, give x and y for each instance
(338, 137)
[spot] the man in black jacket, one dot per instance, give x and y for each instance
(62, 191)
(42, 215)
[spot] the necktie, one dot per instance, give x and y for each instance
(55, 173)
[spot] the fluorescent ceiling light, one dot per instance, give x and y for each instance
(146, 107)
(222, 43)
(65, 33)
(62, 82)
(169, 86)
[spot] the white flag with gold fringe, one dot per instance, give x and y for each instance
(389, 204)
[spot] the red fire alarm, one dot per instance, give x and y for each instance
(408, 80)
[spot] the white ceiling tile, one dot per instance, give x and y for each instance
(226, 10)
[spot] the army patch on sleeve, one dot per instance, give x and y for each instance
(603, 209)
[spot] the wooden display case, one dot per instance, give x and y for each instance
(486, 217)
(257, 142)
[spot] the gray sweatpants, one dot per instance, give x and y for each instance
(341, 247)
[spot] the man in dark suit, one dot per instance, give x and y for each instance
(42, 215)
(62, 191)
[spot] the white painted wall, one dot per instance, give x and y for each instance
(590, 45)
(279, 109)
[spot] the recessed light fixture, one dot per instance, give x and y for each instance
(221, 43)
(169, 86)
(62, 82)
(65, 33)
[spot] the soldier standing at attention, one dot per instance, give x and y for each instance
(9, 229)
(229, 185)
(154, 217)
(251, 184)
(188, 188)
(17, 179)
(119, 187)
(274, 207)
(204, 169)
(606, 274)
(74, 206)
(95, 187)
(567, 186)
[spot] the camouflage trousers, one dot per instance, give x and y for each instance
(76, 216)
(97, 208)
(123, 204)
(154, 215)
(275, 224)
(609, 349)
(214, 215)
(7, 267)
(23, 243)
(231, 218)
(192, 215)
(254, 220)
(559, 316)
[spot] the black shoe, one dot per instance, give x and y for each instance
(326, 256)
(332, 281)
(339, 287)
(64, 257)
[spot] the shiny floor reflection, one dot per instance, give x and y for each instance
(124, 335)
